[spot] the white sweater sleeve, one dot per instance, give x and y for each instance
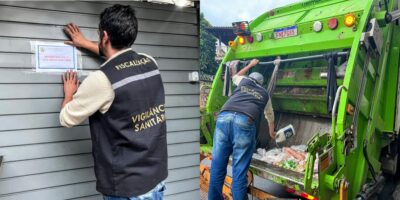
(94, 94)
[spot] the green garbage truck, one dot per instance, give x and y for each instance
(332, 70)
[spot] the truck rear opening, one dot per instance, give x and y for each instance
(299, 97)
(277, 162)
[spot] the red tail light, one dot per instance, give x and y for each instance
(307, 196)
(301, 194)
(250, 39)
(333, 23)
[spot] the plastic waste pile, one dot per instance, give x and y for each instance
(293, 158)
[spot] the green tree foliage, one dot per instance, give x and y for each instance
(208, 65)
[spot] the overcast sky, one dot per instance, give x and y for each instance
(224, 12)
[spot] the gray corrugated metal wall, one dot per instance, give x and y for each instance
(45, 161)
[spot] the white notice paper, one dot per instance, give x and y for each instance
(55, 57)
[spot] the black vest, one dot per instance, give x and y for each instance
(248, 98)
(129, 140)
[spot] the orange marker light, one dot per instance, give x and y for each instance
(232, 44)
(242, 40)
(349, 20)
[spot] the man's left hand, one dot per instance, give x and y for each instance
(71, 85)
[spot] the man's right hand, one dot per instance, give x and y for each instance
(254, 62)
(77, 38)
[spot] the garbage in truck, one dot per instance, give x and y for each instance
(293, 158)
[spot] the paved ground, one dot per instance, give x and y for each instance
(390, 192)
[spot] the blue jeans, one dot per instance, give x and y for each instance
(155, 194)
(235, 134)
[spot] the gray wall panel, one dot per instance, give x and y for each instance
(98, 7)
(15, 122)
(45, 165)
(185, 195)
(24, 61)
(53, 164)
(23, 46)
(18, 91)
(184, 185)
(38, 181)
(182, 161)
(27, 106)
(38, 31)
(18, 153)
(183, 124)
(146, 26)
(43, 16)
(43, 160)
(56, 193)
(25, 152)
(47, 135)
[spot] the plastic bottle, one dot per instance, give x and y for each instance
(284, 133)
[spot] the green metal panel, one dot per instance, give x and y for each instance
(389, 95)
(371, 108)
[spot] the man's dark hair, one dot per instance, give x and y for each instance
(121, 25)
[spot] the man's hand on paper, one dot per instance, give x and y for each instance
(71, 85)
(77, 38)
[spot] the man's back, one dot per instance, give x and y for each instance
(124, 101)
(248, 98)
(129, 140)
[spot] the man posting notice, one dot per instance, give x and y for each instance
(235, 132)
(124, 102)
